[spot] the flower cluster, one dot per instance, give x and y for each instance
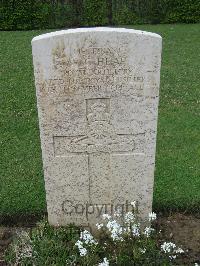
(129, 218)
(122, 240)
(87, 239)
(148, 231)
(135, 229)
(131, 226)
(82, 250)
(123, 228)
(169, 247)
(115, 229)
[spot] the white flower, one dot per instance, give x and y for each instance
(179, 250)
(115, 229)
(112, 225)
(99, 226)
(143, 250)
(129, 217)
(135, 229)
(172, 257)
(83, 252)
(148, 231)
(168, 247)
(104, 263)
(196, 264)
(118, 213)
(87, 237)
(106, 216)
(79, 244)
(133, 203)
(115, 236)
(152, 216)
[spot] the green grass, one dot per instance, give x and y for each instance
(177, 179)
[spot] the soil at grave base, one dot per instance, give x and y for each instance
(184, 230)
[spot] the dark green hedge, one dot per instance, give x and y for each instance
(184, 11)
(41, 14)
(34, 14)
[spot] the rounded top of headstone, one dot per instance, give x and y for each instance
(94, 29)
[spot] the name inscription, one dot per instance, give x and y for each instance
(92, 69)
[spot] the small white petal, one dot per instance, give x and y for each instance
(99, 226)
(104, 263)
(133, 203)
(152, 216)
(106, 216)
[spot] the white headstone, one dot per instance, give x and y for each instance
(97, 96)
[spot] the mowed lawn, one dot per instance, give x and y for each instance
(177, 177)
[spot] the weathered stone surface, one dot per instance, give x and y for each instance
(97, 96)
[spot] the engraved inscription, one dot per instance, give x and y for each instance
(92, 69)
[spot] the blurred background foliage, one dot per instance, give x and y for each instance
(44, 14)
